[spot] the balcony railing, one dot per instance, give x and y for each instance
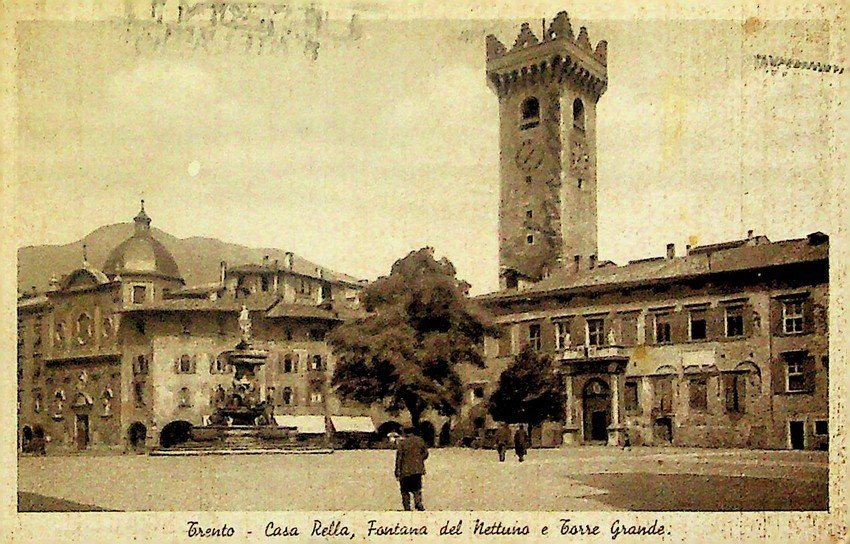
(593, 352)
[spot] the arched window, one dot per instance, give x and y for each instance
(185, 364)
(287, 364)
(184, 398)
(287, 396)
(578, 114)
(530, 111)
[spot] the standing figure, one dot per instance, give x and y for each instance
(521, 442)
(503, 438)
(410, 467)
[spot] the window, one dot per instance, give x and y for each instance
(562, 334)
(84, 328)
(698, 389)
(318, 364)
(185, 324)
(287, 364)
(287, 396)
(736, 392)
(796, 377)
(288, 334)
(662, 328)
(141, 365)
(317, 335)
(36, 345)
(185, 365)
(529, 214)
(792, 317)
(184, 399)
(529, 239)
(578, 114)
(528, 179)
(140, 293)
(530, 110)
(663, 388)
(316, 397)
(37, 401)
(478, 392)
(822, 427)
(580, 182)
(270, 391)
(697, 325)
(534, 336)
(631, 398)
(596, 332)
(139, 393)
(734, 321)
(264, 283)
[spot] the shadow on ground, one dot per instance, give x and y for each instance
(692, 492)
(33, 502)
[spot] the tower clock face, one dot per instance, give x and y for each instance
(529, 156)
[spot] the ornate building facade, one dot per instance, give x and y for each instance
(723, 345)
(107, 359)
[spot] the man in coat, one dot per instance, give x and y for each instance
(410, 467)
(503, 438)
(521, 442)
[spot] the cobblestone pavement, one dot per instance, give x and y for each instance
(585, 478)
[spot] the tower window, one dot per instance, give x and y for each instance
(528, 179)
(578, 114)
(529, 239)
(530, 110)
(529, 214)
(580, 182)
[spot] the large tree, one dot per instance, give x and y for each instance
(421, 325)
(529, 390)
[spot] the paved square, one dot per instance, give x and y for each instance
(586, 478)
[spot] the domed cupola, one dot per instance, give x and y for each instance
(142, 255)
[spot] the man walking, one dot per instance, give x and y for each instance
(409, 468)
(503, 438)
(521, 442)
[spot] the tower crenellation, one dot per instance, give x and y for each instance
(547, 89)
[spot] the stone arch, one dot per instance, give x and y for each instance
(388, 427)
(596, 410)
(137, 433)
(175, 432)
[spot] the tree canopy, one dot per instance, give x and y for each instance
(420, 326)
(529, 390)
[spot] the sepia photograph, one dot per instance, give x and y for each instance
(367, 257)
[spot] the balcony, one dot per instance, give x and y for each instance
(580, 353)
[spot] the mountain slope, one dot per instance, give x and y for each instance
(198, 258)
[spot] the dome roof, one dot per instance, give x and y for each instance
(142, 254)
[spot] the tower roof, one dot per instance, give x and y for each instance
(142, 254)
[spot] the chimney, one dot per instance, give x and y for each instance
(265, 260)
(671, 251)
(593, 260)
(687, 249)
(577, 262)
(288, 259)
(222, 271)
(749, 234)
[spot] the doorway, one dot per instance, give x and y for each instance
(797, 434)
(597, 411)
(82, 431)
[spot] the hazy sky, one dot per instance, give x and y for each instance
(388, 143)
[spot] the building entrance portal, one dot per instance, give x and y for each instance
(597, 411)
(82, 427)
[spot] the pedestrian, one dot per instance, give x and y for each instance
(521, 442)
(410, 467)
(503, 438)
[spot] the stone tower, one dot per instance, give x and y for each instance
(547, 90)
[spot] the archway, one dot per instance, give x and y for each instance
(388, 427)
(175, 433)
(427, 432)
(26, 438)
(137, 433)
(445, 434)
(596, 398)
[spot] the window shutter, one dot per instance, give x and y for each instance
(777, 375)
(714, 322)
(577, 332)
(679, 326)
(748, 320)
(776, 317)
(809, 373)
(547, 331)
(808, 315)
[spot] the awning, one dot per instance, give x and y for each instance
(304, 424)
(355, 424)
